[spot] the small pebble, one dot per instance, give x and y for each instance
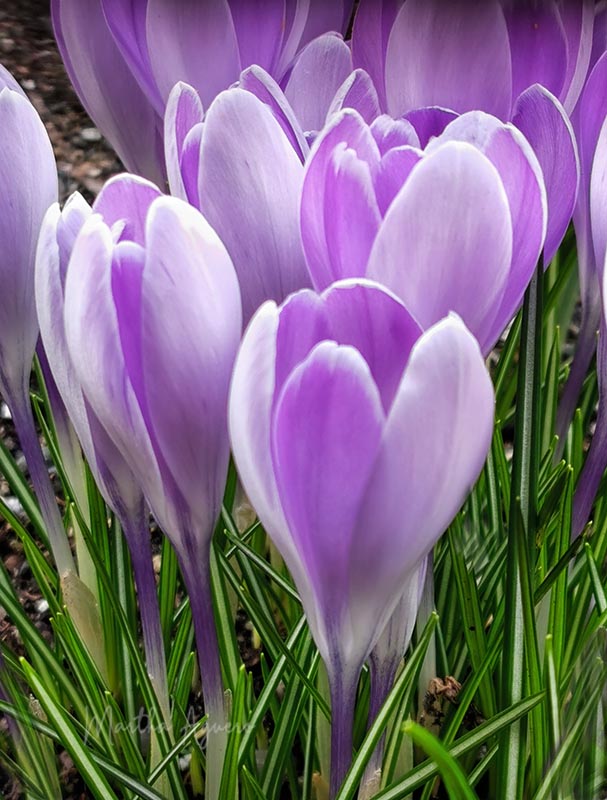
(7, 45)
(90, 135)
(5, 411)
(29, 85)
(42, 606)
(14, 505)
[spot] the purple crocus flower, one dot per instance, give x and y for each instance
(242, 170)
(472, 54)
(520, 62)
(137, 51)
(347, 423)
(153, 322)
(76, 424)
(457, 227)
(28, 182)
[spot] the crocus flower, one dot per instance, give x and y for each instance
(520, 62)
(137, 51)
(472, 54)
(28, 182)
(76, 424)
(457, 227)
(153, 322)
(356, 437)
(240, 168)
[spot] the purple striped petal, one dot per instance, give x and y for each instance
(434, 445)
(598, 199)
(192, 42)
(126, 193)
(389, 133)
(28, 177)
(260, 27)
(249, 186)
(183, 111)
(427, 65)
(394, 169)
(318, 72)
(326, 434)
(372, 25)
(258, 82)
(107, 88)
(188, 268)
(357, 92)
(346, 127)
(429, 122)
(437, 251)
(578, 22)
(542, 119)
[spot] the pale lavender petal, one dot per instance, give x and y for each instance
(51, 264)
(455, 55)
(394, 169)
(183, 111)
(434, 444)
(599, 34)
(346, 127)
(436, 251)
(429, 122)
(578, 22)
(357, 92)
(249, 186)
(28, 178)
(127, 23)
(323, 17)
(258, 82)
(126, 193)
(389, 133)
(259, 26)
(192, 42)
(538, 46)
(352, 216)
(542, 119)
(188, 269)
(372, 25)
(598, 199)
(318, 72)
(107, 88)
(359, 313)
(189, 164)
(326, 434)
(94, 343)
(523, 182)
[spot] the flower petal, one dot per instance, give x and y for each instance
(187, 356)
(523, 181)
(28, 177)
(319, 70)
(249, 186)
(429, 122)
(348, 127)
(538, 47)
(455, 55)
(126, 193)
(434, 444)
(258, 82)
(94, 342)
(127, 24)
(107, 88)
(326, 432)
(578, 22)
(192, 42)
(358, 92)
(389, 133)
(183, 111)
(394, 169)
(446, 241)
(598, 199)
(259, 30)
(370, 33)
(543, 121)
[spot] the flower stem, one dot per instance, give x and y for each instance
(23, 418)
(138, 538)
(596, 460)
(195, 566)
(584, 351)
(342, 688)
